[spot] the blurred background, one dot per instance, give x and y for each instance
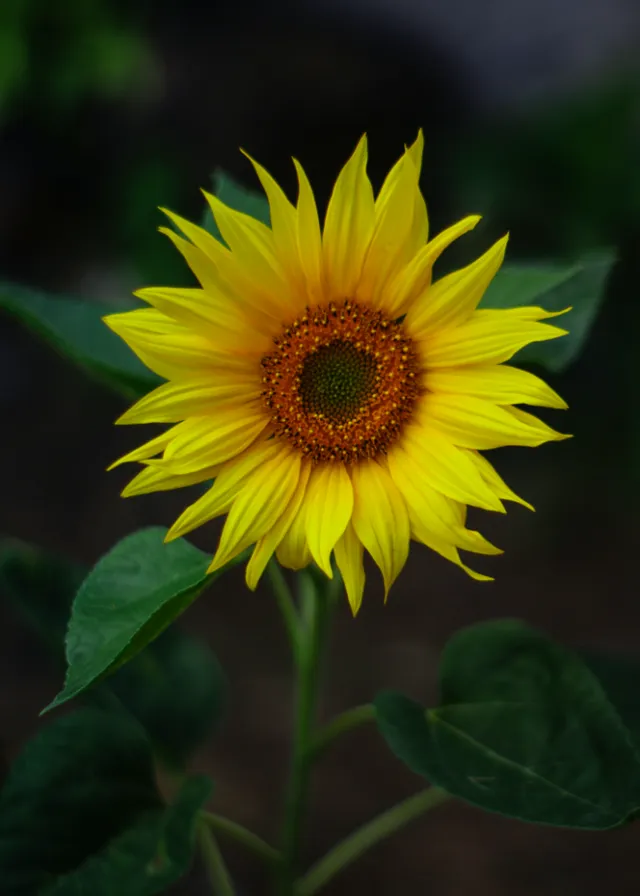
(531, 113)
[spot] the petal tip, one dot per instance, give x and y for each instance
(171, 536)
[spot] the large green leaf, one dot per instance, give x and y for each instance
(177, 690)
(174, 686)
(132, 594)
(75, 328)
(522, 728)
(238, 197)
(80, 813)
(555, 287)
(619, 675)
(76, 785)
(146, 857)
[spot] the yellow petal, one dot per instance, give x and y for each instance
(497, 383)
(261, 502)
(380, 519)
(213, 314)
(420, 231)
(390, 246)
(235, 269)
(348, 225)
(474, 423)
(255, 258)
(438, 515)
(216, 285)
(266, 545)
(293, 551)
(200, 263)
(444, 548)
(448, 467)
(231, 478)
(455, 297)
(149, 449)
(309, 237)
(172, 402)
(490, 336)
(203, 240)
(495, 482)
(329, 504)
(411, 283)
(165, 346)
(207, 440)
(156, 479)
(284, 223)
(349, 557)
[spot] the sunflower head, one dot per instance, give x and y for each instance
(337, 397)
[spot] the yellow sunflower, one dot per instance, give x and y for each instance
(336, 396)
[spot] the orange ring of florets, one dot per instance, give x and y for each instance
(341, 382)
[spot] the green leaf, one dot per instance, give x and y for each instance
(619, 675)
(80, 813)
(523, 728)
(177, 690)
(132, 594)
(75, 329)
(237, 197)
(147, 857)
(76, 785)
(554, 287)
(174, 687)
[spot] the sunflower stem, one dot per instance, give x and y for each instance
(286, 604)
(217, 873)
(366, 837)
(312, 630)
(234, 831)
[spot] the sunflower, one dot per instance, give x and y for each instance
(336, 396)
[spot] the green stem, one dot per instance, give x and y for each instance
(286, 603)
(346, 721)
(240, 834)
(214, 864)
(311, 632)
(367, 836)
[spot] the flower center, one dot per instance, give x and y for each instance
(341, 382)
(336, 380)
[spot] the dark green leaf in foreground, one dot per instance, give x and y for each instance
(132, 594)
(147, 857)
(75, 329)
(174, 687)
(80, 813)
(523, 728)
(238, 197)
(619, 675)
(75, 786)
(177, 690)
(554, 287)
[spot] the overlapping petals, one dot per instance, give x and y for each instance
(208, 343)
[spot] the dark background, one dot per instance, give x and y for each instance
(531, 115)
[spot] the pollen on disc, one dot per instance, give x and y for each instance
(341, 382)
